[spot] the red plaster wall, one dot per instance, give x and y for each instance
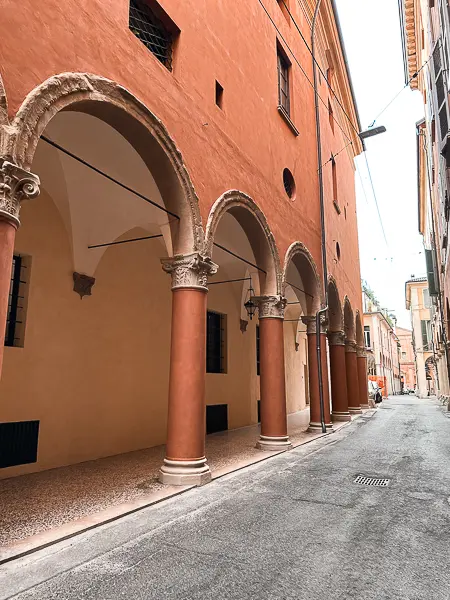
(245, 146)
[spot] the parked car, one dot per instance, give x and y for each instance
(374, 392)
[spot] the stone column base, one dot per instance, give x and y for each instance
(354, 410)
(185, 472)
(273, 444)
(365, 406)
(317, 427)
(341, 416)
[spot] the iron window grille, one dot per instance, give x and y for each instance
(14, 302)
(151, 31)
(283, 84)
(215, 342)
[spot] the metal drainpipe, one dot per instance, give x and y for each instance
(322, 220)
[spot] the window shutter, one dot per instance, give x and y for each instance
(440, 89)
(433, 281)
(424, 335)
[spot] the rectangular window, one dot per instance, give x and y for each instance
(15, 319)
(334, 175)
(219, 95)
(283, 83)
(154, 28)
(425, 327)
(331, 116)
(215, 342)
(367, 336)
(216, 418)
(18, 443)
(403, 355)
(257, 351)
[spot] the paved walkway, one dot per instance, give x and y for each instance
(83, 494)
(295, 527)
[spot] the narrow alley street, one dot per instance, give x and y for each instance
(293, 527)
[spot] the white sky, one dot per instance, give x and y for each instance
(371, 32)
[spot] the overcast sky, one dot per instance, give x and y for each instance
(371, 33)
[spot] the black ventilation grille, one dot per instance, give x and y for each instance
(18, 443)
(216, 418)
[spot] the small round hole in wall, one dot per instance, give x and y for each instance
(289, 184)
(338, 251)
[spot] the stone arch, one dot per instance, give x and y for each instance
(299, 255)
(254, 223)
(349, 322)
(114, 104)
(359, 331)
(335, 316)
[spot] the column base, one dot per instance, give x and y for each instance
(365, 406)
(317, 427)
(273, 444)
(185, 472)
(341, 416)
(355, 410)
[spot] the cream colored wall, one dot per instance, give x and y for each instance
(93, 371)
(295, 361)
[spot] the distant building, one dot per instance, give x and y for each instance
(407, 362)
(419, 305)
(381, 343)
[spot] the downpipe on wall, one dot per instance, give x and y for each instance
(324, 309)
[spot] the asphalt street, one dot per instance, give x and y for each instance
(293, 527)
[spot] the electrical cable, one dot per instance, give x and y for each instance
(376, 200)
(333, 156)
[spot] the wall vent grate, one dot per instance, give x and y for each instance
(374, 481)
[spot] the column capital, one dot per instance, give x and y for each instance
(360, 352)
(270, 307)
(350, 345)
(336, 338)
(310, 323)
(190, 271)
(16, 185)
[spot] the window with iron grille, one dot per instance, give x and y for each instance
(15, 319)
(152, 32)
(283, 83)
(215, 342)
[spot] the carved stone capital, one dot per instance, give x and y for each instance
(350, 345)
(336, 338)
(360, 352)
(189, 271)
(311, 328)
(16, 185)
(270, 307)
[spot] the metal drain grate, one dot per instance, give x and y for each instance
(363, 480)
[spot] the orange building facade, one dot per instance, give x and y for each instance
(179, 135)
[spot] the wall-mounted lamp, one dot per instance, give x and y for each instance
(250, 305)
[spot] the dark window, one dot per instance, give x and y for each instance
(18, 443)
(283, 83)
(334, 175)
(338, 251)
(331, 116)
(215, 342)
(257, 351)
(152, 32)
(216, 418)
(15, 315)
(259, 411)
(367, 336)
(219, 94)
(289, 184)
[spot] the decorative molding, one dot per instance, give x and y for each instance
(336, 338)
(16, 185)
(360, 353)
(235, 199)
(82, 284)
(243, 325)
(299, 248)
(189, 271)
(61, 91)
(270, 307)
(311, 327)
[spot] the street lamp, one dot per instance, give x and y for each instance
(371, 132)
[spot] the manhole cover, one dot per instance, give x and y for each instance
(377, 482)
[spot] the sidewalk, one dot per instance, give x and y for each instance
(40, 508)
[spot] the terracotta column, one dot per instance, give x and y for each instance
(16, 185)
(339, 399)
(313, 375)
(274, 434)
(362, 377)
(351, 369)
(185, 461)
